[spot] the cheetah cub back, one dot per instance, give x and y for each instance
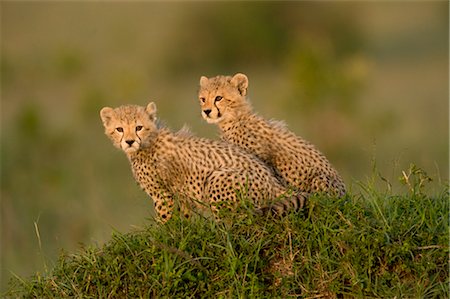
(223, 102)
(198, 172)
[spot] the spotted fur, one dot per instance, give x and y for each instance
(200, 173)
(223, 102)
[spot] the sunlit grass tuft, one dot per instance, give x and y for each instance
(367, 244)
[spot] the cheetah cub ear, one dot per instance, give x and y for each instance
(107, 114)
(241, 82)
(203, 81)
(151, 111)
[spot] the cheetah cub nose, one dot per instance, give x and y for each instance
(207, 111)
(129, 142)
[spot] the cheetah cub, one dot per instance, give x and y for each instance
(198, 172)
(223, 102)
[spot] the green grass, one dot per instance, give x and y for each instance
(367, 244)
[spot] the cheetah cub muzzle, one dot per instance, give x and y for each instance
(197, 173)
(223, 102)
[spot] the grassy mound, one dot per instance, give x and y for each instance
(363, 245)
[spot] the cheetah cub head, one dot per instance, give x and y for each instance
(129, 126)
(223, 97)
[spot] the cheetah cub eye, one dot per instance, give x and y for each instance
(218, 99)
(119, 129)
(138, 128)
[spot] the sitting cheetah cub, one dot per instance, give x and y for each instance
(198, 172)
(223, 102)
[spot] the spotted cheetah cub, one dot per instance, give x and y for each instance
(223, 102)
(197, 172)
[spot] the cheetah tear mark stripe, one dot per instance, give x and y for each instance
(218, 110)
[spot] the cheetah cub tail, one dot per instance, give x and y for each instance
(280, 208)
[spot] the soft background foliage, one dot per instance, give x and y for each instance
(364, 82)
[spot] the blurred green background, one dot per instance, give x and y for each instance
(366, 82)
